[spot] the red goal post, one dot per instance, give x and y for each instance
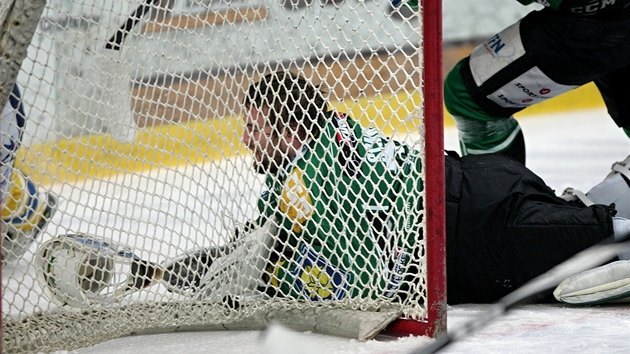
(432, 88)
(178, 85)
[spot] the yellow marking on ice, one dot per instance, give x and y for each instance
(100, 156)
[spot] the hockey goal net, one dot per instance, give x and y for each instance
(140, 142)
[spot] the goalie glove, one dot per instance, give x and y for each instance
(607, 283)
(238, 274)
(184, 273)
(81, 271)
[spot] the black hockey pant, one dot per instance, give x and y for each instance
(505, 226)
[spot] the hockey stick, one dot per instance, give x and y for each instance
(115, 81)
(116, 41)
(585, 260)
(110, 271)
(80, 270)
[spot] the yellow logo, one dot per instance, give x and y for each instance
(296, 201)
(275, 270)
(317, 283)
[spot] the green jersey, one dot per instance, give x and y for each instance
(348, 207)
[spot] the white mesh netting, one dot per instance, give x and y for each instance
(143, 149)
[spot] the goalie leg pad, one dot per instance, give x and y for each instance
(604, 284)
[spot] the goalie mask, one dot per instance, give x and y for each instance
(81, 271)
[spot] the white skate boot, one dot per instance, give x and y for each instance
(615, 188)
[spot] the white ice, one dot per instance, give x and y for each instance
(566, 149)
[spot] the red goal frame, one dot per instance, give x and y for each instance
(432, 92)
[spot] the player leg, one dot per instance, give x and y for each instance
(509, 227)
(25, 214)
(479, 131)
(615, 188)
(614, 90)
(538, 58)
(25, 210)
(608, 282)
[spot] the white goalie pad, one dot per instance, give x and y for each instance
(607, 283)
(238, 274)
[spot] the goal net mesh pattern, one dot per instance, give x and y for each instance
(142, 145)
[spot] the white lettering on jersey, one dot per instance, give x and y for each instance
(496, 53)
(530, 88)
(377, 150)
(592, 8)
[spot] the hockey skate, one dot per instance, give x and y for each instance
(614, 189)
(21, 229)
